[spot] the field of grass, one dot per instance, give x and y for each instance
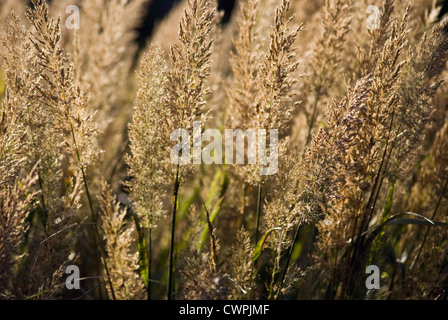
(350, 95)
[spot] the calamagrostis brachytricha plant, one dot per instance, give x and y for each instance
(169, 99)
(122, 260)
(387, 123)
(57, 134)
(362, 164)
(324, 63)
(260, 94)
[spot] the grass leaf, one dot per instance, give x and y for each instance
(143, 260)
(204, 234)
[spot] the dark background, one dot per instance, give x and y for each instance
(158, 9)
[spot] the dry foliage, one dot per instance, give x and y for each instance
(362, 162)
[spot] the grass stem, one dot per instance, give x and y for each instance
(257, 227)
(173, 229)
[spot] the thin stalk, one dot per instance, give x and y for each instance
(149, 262)
(243, 211)
(311, 124)
(275, 269)
(386, 166)
(213, 250)
(173, 226)
(97, 234)
(257, 227)
(118, 157)
(333, 279)
(350, 249)
(42, 198)
(378, 182)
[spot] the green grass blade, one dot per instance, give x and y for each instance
(418, 222)
(399, 220)
(218, 191)
(259, 247)
(204, 234)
